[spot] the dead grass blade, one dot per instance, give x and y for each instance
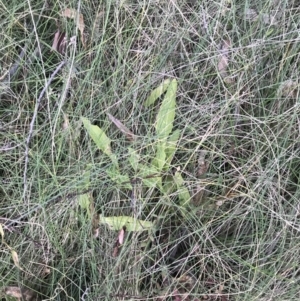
(223, 61)
(72, 14)
(59, 42)
(119, 242)
(129, 135)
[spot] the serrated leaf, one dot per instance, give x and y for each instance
(171, 147)
(166, 113)
(131, 224)
(160, 158)
(157, 92)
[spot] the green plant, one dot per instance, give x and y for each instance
(152, 174)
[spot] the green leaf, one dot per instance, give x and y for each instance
(86, 178)
(150, 176)
(134, 158)
(171, 148)
(160, 159)
(182, 191)
(153, 182)
(169, 186)
(166, 113)
(84, 201)
(100, 138)
(120, 179)
(116, 223)
(157, 92)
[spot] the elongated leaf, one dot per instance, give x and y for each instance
(166, 113)
(157, 92)
(160, 159)
(131, 224)
(100, 138)
(171, 147)
(134, 158)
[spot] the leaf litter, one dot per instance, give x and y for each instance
(129, 135)
(78, 18)
(224, 61)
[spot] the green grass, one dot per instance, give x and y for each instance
(238, 150)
